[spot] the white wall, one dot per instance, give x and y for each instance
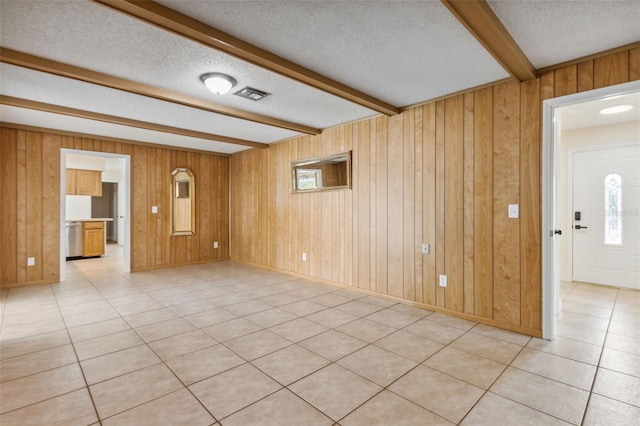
(581, 139)
(78, 207)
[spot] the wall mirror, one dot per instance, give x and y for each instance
(183, 202)
(322, 173)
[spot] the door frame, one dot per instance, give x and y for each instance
(63, 204)
(550, 156)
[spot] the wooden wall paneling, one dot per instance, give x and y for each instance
(346, 139)
(305, 207)
(328, 222)
(316, 237)
(381, 198)
(506, 186)
(454, 202)
(282, 198)
(294, 216)
(139, 212)
(10, 210)
(86, 144)
(355, 223)
(237, 237)
(152, 194)
(34, 205)
(634, 64)
(341, 277)
(530, 206)
(364, 205)
(468, 142)
(51, 207)
(164, 208)
(429, 202)
(194, 240)
(585, 76)
(338, 236)
(222, 211)
(205, 218)
(440, 252)
(258, 159)
(395, 204)
(180, 247)
(272, 209)
(483, 203)
(418, 179)
(546, 87)
(107, 146)
(408, 206)
(22, 206)
(610, 70)
(566, 80)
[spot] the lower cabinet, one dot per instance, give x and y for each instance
(92, 239)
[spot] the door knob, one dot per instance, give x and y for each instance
(558, 231)
(579, 227)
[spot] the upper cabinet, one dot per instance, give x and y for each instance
(84, 182)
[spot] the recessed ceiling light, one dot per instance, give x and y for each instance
(615, 109)
(218, 83)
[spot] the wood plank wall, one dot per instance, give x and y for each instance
(442, 173)
(30, 214)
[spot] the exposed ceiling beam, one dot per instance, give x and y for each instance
(479, 19)
(26, 60)
(73, 112)
(193, 29)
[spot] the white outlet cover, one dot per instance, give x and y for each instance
(425, 248)
(514, 211)
(31, 261)
(154, 209)
(304, 257)
(215, 244)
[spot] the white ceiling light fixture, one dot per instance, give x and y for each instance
(615, 109)
(218, 83)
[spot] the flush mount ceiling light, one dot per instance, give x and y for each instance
(218, 83)
(615, 109)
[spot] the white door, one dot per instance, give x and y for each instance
(122, 211)
(606, 216)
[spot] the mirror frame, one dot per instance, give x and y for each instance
(316, 160)
(192, 201)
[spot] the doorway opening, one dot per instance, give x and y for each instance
(113, 205)
(558, 221)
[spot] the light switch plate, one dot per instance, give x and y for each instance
(443, 280)
(215, 244)
(31, 261)
(514, 211)
(425, 248)
(154, 209)
(304, 257)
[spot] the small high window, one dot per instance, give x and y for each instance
(613, 209)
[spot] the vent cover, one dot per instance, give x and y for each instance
(251, 93)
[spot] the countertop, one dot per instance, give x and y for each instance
(93, 219)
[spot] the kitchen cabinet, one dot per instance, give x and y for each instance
(92, 239)
(84, 182)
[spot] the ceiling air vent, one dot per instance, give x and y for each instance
(251, 93)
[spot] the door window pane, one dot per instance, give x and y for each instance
(613, 209)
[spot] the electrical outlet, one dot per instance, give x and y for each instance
(215, 244)
(31, 261)
(304, 257)
(154, 209)
(443, 280)
(425, 248)
(514, 211)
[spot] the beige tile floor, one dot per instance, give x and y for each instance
(229, 344)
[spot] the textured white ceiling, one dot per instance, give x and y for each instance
(42, 87)
(555, 31)
(47, 120)
(402, 52)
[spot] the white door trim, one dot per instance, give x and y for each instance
(63, 204)
(549, 167)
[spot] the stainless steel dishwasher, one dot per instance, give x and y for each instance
(74, 239)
